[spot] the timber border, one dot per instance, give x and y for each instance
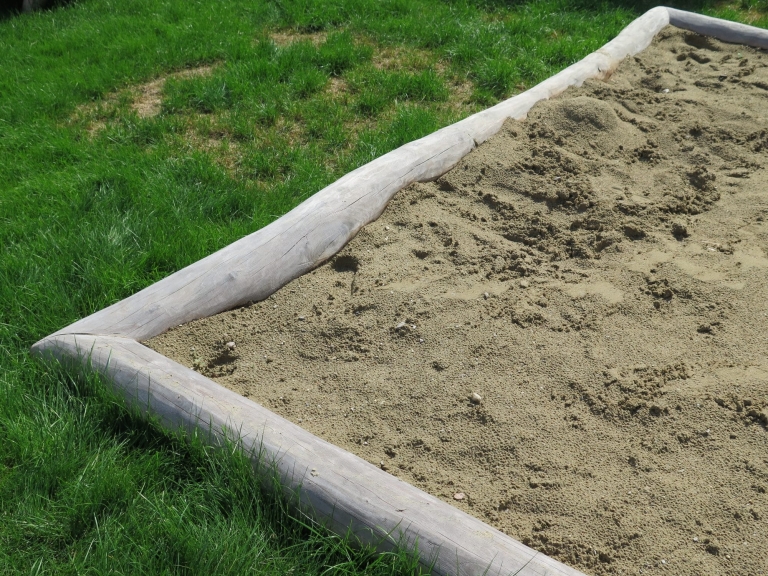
(333, 486)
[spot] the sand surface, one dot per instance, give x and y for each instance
(598, 275)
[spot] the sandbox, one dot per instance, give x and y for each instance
(596, 275)
(560, 339)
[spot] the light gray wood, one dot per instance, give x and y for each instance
(347, 492)
(721, 29)
(633, 39)
(259, 264)
(340, 489)
(256, 266)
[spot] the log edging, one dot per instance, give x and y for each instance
(336, 487)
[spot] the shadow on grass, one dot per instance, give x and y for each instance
(9, 9)
(14, 8)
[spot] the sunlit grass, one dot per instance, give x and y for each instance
(138, 137)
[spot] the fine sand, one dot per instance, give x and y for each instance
(598, 275)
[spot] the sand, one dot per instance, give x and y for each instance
(598, 277)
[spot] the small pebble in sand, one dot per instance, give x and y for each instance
(302, 318)
(314, 472)
(524, 284)
(486, 295)
(231, 345)
(459, 496)
(475, 398)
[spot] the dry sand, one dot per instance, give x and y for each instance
(597, 274)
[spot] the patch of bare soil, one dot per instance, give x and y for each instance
(143, 99)
(568, 329)
(287, 37)
(148, 97)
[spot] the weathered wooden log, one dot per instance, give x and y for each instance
(345, 493)
(340, 489)
(721, 29)
(256, 266)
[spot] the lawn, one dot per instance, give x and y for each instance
(138, 136)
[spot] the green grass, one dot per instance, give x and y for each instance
(89, 487)
(99, 198)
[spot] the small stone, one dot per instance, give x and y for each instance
(401, 325)
(231, 345)
(314, 472)
(302, 318)
(475, 398)
(459, 496)
(524, 284)
(486, 295)
(695, 539)
(666, 91)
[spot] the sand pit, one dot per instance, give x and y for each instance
(598, 276)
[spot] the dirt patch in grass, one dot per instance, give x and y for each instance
(148, 97)
(288, 37)
(225, 151)
(461, 99)
(337, 86)
(402, 58)
(143, 99)
(596, 276)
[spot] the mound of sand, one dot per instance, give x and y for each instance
(598, 276)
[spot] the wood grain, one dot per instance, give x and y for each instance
(259, 264)
(324, 481)
(345, 493)
(721, 29)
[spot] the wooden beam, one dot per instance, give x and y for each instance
(339, 489)
(259, 264)
(345, 492)
(721, 29)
